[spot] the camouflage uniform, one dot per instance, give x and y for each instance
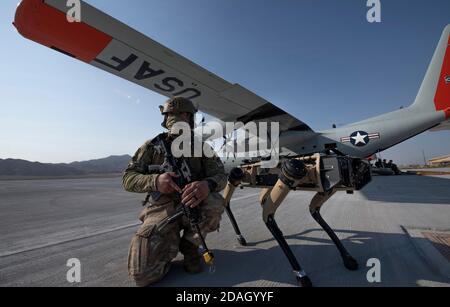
(153, 249)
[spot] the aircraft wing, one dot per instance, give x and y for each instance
(110, 45)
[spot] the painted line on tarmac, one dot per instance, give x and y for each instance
(54, 243)
(94, 234)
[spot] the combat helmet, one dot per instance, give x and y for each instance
(178, 105)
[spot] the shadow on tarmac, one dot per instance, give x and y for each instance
(402, 264)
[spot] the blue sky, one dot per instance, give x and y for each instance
(318, 59)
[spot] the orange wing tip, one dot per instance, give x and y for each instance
(48, 26)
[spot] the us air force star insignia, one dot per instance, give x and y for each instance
(360, 138)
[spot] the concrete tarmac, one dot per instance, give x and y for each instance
(43, 223)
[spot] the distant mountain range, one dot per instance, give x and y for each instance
(110, 165)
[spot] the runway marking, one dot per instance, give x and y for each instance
(94, 234)
(50, 244)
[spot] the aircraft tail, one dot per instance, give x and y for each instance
(430, 111)
(434, 94)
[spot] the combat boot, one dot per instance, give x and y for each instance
(192, 260)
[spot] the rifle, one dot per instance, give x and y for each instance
(180, 167)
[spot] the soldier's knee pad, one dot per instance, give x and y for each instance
(151, 252)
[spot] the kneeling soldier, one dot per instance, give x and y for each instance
(154, 247)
